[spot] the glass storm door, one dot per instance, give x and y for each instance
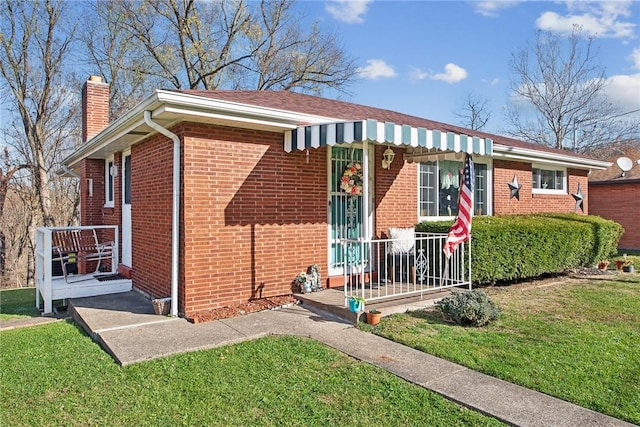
(345, 211)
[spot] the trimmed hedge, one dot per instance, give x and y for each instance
(513, 247)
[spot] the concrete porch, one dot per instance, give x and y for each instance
(331, 302)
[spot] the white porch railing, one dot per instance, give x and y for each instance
(386, 268)
(64, 245)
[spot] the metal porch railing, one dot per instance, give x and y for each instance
(380, 268)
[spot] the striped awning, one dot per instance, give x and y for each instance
(320, 135)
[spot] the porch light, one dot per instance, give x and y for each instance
(387, 158)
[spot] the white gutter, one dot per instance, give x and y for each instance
(175, 217)
(534, 156)
(202, 105)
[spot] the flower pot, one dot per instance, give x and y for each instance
(355, 306)
(161, 306)
(373, 318)
(628, 269)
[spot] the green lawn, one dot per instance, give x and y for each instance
(15, 303)
(55, 374)
(579, 341)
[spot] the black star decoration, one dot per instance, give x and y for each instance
(579, 197)
(514, 187)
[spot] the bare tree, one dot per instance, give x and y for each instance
(558, 88)
(36, 39)
(32, 50)
(113, 54)
(228, 44)
(473, 112)
(7, 171)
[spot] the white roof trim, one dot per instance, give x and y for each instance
(545, 157)
(194, 106)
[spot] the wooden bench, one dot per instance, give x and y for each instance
(75, 245)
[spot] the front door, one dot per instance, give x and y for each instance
(126, 208)
(345, 217)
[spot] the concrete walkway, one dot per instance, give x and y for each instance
(124, 324)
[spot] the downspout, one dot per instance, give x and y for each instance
(175, 217)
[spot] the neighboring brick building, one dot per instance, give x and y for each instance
(615, 196)
(258, 198)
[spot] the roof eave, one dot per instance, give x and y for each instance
(116, 129)
(559, 159)
(176, 107)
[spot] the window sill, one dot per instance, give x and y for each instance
(549, 192)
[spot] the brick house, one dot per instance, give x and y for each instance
(258, 196)
(614, 195)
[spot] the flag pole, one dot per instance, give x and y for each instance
(460, 231)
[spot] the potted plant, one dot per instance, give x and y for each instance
(373, 316)
(628, 266)
(356, 304)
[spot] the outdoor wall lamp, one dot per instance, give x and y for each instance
(387, 158)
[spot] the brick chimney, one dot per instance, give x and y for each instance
(95, 107)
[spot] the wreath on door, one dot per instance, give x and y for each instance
(351, 182)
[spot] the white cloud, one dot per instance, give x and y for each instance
(492, 8)
(624, 91)
(598, 19)
(376, 68)
(348, 11)
(492, 82)
(635, 57)
(452, 74)
(417, 74)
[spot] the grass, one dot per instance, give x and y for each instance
(55, 374)
(579, 341)
(16, 303)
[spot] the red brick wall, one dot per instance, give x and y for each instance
(151, 215)
(503, 172)
(396, 193)
(618, 202)
(91, 206)
(254, 216)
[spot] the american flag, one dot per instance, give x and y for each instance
(461, 229)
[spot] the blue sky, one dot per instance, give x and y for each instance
(424, 57)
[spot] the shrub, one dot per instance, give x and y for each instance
(469, 308)
(515, 247)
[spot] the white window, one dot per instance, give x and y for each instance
(109, 181)
(547, 179)
(439, 185)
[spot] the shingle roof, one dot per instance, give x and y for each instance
(614, 173)
(347, 111)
